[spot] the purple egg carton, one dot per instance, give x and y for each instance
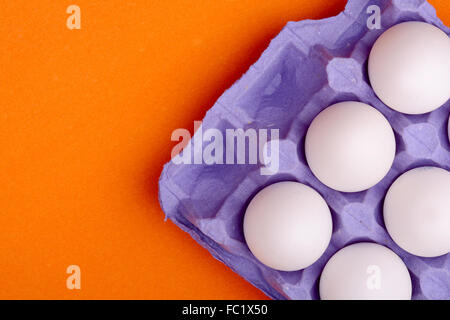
(307, 67)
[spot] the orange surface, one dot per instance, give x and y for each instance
(85, 123)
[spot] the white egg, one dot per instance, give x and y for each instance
(350, 146)
(287, 226)
(409, 67)
(365, 271)
(417, 211)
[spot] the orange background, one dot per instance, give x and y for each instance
(85, 123)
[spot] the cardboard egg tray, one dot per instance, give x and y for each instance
(307, 67)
